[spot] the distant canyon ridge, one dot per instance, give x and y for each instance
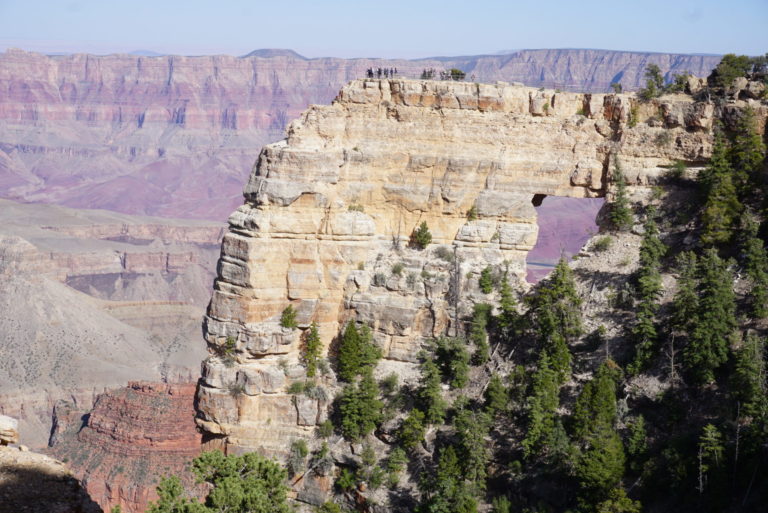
(176, 136)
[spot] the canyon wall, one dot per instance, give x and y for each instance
(133, 437)
(90, 300)
(176, 136)
(329, 212)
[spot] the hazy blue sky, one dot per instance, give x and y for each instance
(383, 28)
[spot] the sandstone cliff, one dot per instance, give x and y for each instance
(150, 135)
(329, 211)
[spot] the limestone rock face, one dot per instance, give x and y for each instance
(329, 212)
(132, 437)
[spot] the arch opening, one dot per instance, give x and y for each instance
(565, 225)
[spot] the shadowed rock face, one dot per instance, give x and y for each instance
(32, 483)
(132, 437)
(330, 209)
(175, 136)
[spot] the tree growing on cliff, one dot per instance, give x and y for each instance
(654, 83)
(649, 290)
(360, 408)
(357, 352)
(556, 317)
(478, 334)
(756, 267)
(599, 461)
(288, 318)
(620, 214)
(453, 357)
(542, 409)
(312, 348)
(421, 237)
(714, 318)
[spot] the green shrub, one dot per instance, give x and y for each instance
(444, 253)
(421, 237)
(297, 457)
(356, 208)
(397, 269)
(633, 116)
(456, 74)
(486, 280)
(472, 213)
(677, 171)
(325, 429)
(288, 318)
(602, 244)
(411, 279)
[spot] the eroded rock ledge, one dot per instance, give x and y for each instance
(329, 211)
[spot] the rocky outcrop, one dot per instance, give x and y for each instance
(9, 430)
(329, 211)
(131, 438)
(32, 482)
(149, 135)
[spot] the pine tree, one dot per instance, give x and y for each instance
(429, 396)
(637, 443)
(719, 185)
(171, 498)
(247, 483)
(710, 453)
(357, 352)
(454, 358)
(542, 408)
(600, 466)
(756, 267)
(714, 320)
(556, 315)
(312, 348)
(446, 491)
(288, 318)
(686, 302)
(412, 429)
(478, 334)
(486, 280)
(360, 408)
(471, 431)
(749, 377)
(496, 396)
(721, 210)
(748, 150)
(421, 237)
(621, 212)
(508, 319)
(599, 462)
(649, 290)
(618, 502)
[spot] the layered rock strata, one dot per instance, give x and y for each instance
(90, 300)
(148, 135)
(131, 438)
(329, 211)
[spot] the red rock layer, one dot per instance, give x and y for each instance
(132, 437)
